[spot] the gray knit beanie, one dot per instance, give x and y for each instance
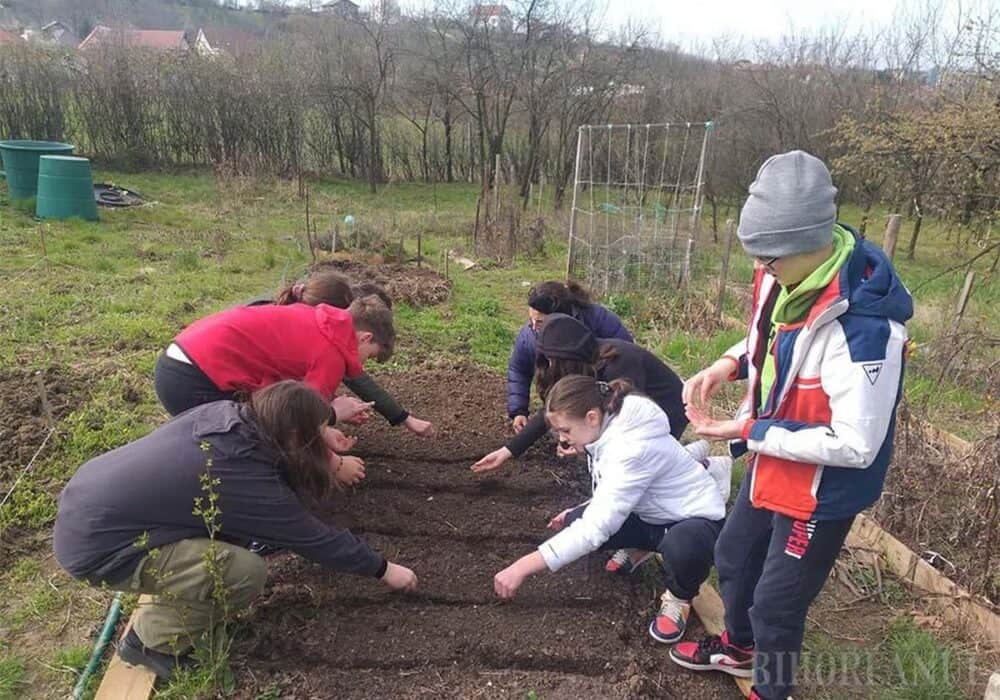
(790, 209)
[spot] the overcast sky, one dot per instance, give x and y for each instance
(689, 22)
(686, 20)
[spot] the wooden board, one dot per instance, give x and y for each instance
(710, 611)
(124, 682)
(944, 595)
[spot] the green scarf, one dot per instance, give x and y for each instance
(793, 306)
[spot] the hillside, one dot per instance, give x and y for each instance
(82, 15)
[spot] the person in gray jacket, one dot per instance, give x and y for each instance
(170, 514)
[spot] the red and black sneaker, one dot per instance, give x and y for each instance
(714, 653)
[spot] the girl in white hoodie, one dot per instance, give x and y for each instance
(649, 493)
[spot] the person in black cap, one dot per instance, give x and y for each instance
(545, 299)
(566, 346)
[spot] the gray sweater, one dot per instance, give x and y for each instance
(121, 504)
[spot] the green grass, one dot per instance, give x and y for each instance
(11, 677)
(921, 667)
(109, 296)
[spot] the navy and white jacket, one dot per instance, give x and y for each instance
(823, 441)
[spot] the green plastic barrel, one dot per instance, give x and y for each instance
(20, 163)
(65, 189)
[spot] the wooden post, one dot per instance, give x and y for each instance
(420, 251)
(572, 212)
(496, 188)
(44, 397)
(45, 254)
(333, 236)
(724, 272)
(963, 298)
(309, 240)
(891, 234)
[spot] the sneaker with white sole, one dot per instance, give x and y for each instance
(671, 620)
(699, 450)
(721, 470)
(621, 562)
(714, 653)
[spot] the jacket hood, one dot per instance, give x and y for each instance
(566, 338)
(639, 418)
(871, 284)
(337, 326)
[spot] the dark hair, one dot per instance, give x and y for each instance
(549, 370)
(324, 286)
(557, 298)
(575, 395)
(371, 314)
(291, 416)
(365, 289)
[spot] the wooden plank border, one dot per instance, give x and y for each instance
(122, 681)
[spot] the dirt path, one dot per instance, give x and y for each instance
(580, 633)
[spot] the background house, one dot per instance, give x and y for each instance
(212, 41)
(156, 39)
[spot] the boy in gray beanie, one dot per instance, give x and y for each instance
(823, 359)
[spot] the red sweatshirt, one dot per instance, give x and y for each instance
(251, 347)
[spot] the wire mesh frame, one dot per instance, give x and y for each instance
(637, 198)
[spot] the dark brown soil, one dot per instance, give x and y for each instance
(578, 633)
(408, 284)
(24, 415)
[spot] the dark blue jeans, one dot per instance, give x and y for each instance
(771, 568)
(686, 548)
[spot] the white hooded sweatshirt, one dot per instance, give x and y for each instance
(637, 467)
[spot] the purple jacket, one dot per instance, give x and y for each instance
(601, 321)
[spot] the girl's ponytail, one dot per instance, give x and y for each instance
(324, 286)
(576, 394)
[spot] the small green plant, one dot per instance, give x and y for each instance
(11, 677)
(211, 675)
(104, 265)
(186, 261)
(922, 668)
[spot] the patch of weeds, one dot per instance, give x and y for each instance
(921, 667)
(104, 265)
(186, 261)
(25, 206)
(72, 659)
(24, 570)
(90, 238)
(620, 304)
(38, 605)
(11, 677)
(268, 260)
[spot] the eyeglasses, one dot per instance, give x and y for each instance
(769, 262)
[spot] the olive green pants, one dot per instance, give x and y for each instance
(186, 603)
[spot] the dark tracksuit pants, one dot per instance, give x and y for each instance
(181, 386)
(771, 568)
(686, 547)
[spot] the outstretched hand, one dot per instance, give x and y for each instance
(337, 441)
(492, 461)
(352, 410)
(713, 429)
(417, 426)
